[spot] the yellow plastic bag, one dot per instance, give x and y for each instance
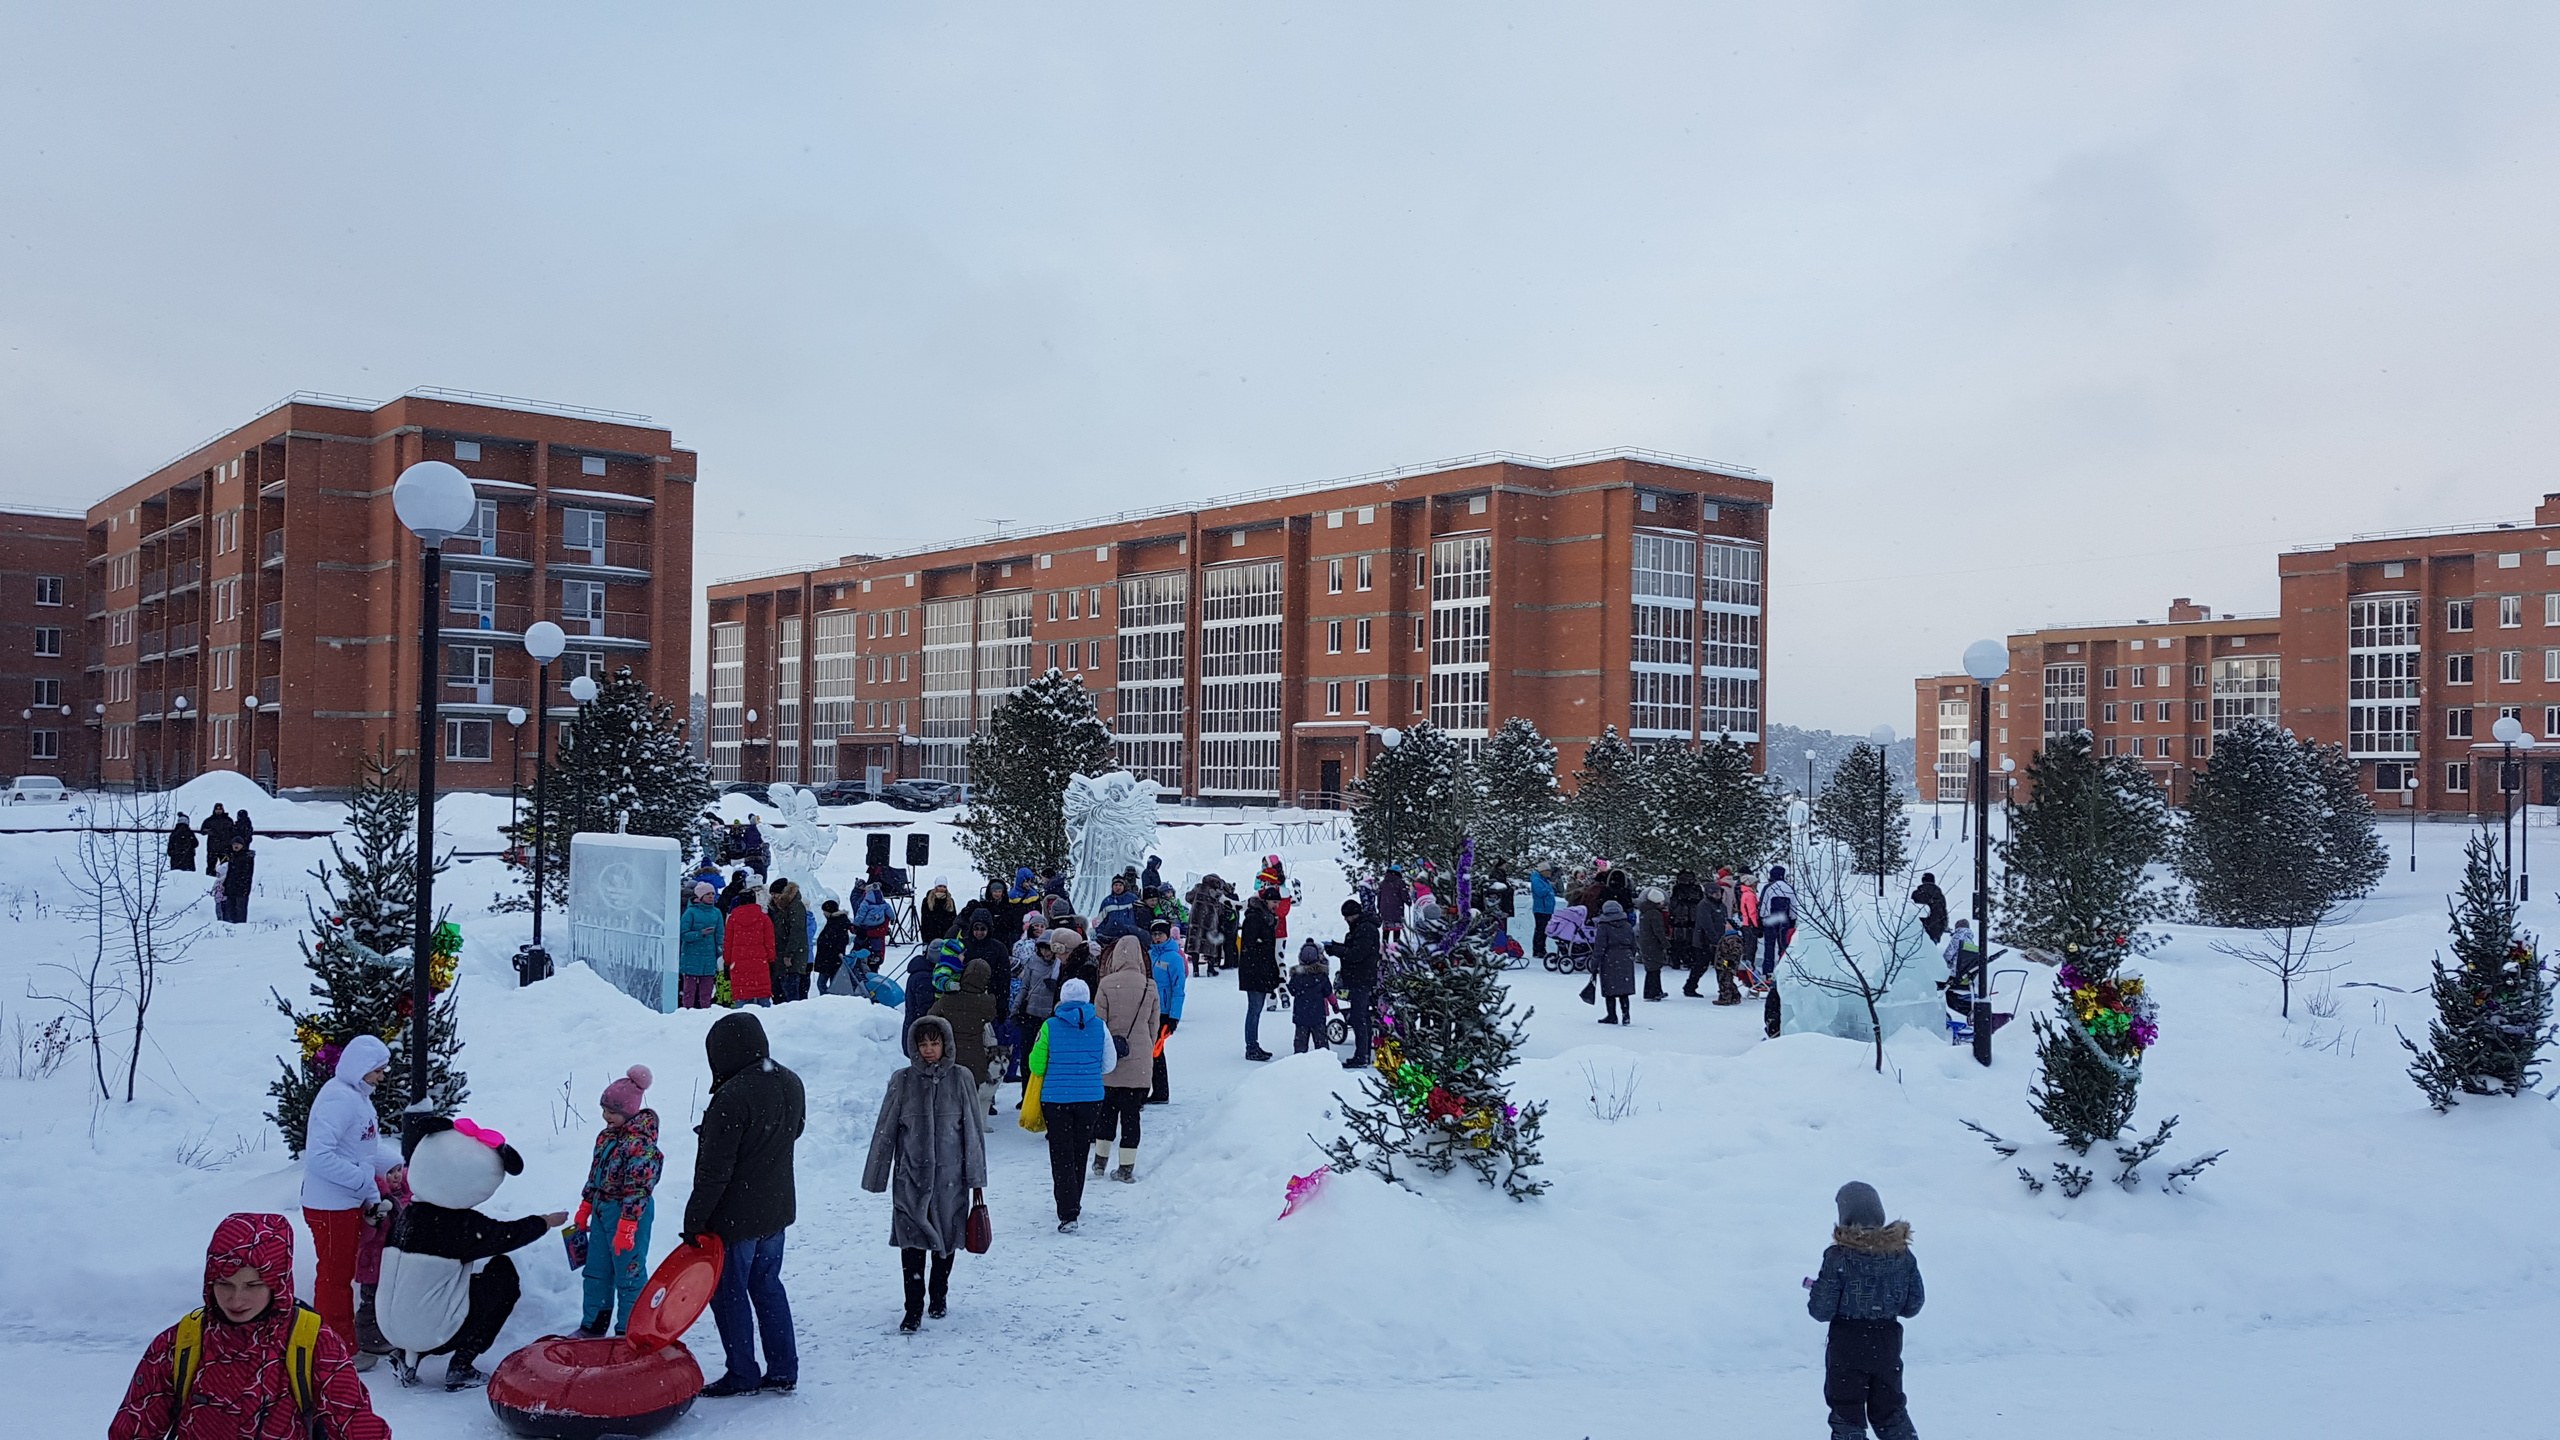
(1032, 1119)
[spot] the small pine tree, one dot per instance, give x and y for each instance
(1036, 739)
(1607, 810)
(2493, 1008)
(2074, 883)
(1520, 807)
(1861, 807)
(1414, 802)
(1439, 1097)
(1705, 808)
(2278, 832)
(622, 767)
(358, 953)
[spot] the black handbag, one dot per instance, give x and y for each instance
(1591, 991)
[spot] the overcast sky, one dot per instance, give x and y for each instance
(2032, 313)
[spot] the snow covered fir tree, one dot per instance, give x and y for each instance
(359, 955)
(1440, 1095)
(2278, 832)
(1701, 808)
(622, 766)
(2493, 1004)
(1608, 807)
(2073, 886)
(1860, 807)
(1415, 800)
(1036, 739)
(1520, 814)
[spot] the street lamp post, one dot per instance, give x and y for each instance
(1882, 735)
(434, 500)
(543, 641)
(2409, 797)
(1985, 661)
(2507, 732)
(1808, 774)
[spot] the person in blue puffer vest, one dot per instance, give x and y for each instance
(1026, 885)
(1165, 954)
(1069, 1057)
(1118, 915)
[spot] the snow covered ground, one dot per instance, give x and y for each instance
(2355, 1266)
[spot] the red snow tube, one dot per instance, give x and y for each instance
(564, 1388)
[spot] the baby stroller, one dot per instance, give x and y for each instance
(1569, 938)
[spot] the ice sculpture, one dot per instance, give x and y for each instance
(623, 910)
(800, 843)
(1111, 825)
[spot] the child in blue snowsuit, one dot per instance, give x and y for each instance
(1310, 996)
(615, 1209)
(1165, 954)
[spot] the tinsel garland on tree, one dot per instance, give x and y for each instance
(2493, 1004)
(1438, 1098)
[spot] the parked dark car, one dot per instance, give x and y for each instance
(753, 789)
(843, 792)
(921, 794)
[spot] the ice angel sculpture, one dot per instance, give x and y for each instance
(800, 844)
(1111, 825)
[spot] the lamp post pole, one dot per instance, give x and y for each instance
(2507, 732)
(434, 500)
(1985, 661)
(1808, 777)
(1882, 735)
(544, 641)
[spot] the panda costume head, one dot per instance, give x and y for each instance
(457, 1164)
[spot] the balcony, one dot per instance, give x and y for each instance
(624, 559)
(271, 549)
(154, 644)
(270, 691)
(155, 583)
(97, 657)
(501, 621)
(185, 573)
(271, 620)
(183, 639)
(507, 550)
(147, 704)
(466, 694)
(97, 605)
(613, 629)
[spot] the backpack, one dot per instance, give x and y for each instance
(299, 1350)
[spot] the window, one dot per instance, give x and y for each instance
(2107, 678)
(222, 737)
(1421, 631)
(590, 464)
(2457, 614)
(2551, 608)
(1075, 604)
(44, 745)
(1092, 657)
(2195, 747)
(1421, 573)
(2510, 666)
(2510, 612)
(2141, 675)
(2550, 721)
(1333, 637)
(49, 589)
(2457, 669)
(2066, 699)
(583, 530)
(2108, 746)
(2137, 747)
(1146, 729)
(466, 739)
(1333, 697)
(1053, 607)
(2106, 714)
(2197, 677)
(1360, 697)
(48, 640)
(1421, 698)
(2162, 679)
(1093, 602)
(48, 693)
(582, 605)
(2457, 776)
(2457, 723)
(1333, 577)
(1360, 636)
(1462, 635)
(2196, 712)
(1241, 615)
(1364, 571)
(466, 449)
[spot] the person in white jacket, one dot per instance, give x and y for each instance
(343, 1162)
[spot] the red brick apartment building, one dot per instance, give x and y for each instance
(253, 604)
(1251, 649)
(45, 718)
(2409, 646)
(2156, 691)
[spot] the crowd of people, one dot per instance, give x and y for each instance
(230, 858)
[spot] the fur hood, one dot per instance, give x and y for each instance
(1893, 1239)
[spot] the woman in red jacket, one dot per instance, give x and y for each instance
(240, 1379)
(746, 947)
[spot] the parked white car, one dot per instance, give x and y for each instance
(37, 789)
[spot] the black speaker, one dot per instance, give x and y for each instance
(919, 849)
(875, 850)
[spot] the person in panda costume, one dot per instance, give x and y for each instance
(447, 1284)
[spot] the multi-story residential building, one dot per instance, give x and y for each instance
(2156, 691)
(47, 725)
(255, 601)
(2410, 646)
(1254, 649)
(1942, 734)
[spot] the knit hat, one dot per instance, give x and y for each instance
(1612, 910)
(1350, 909)
(1075, 992)
(624, 1095)
(1066, 939)
(1311, 953)
(1860, 1205)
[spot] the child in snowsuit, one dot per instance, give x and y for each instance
(615, 1208)
(1165, 954)
(231, 1371)
(1310, 995)
(1868, 1286)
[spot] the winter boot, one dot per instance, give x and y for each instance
(459, 1374)
(596, 1327)
(405, 1366)
(937, 1292)
(1101, 1156)
(1127, 1174)
(914, 1318)
(369, 1339)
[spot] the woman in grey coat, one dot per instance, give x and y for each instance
(1613, 959)
(927, 1139)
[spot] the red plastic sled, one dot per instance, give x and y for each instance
(564, 1388)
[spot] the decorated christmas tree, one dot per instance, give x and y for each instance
(621, 767)
(2073, 886)
(358, 952)
(1036, 740)
(2493, 1004)
(1439, 1097)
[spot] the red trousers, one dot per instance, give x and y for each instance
(335, 1235)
